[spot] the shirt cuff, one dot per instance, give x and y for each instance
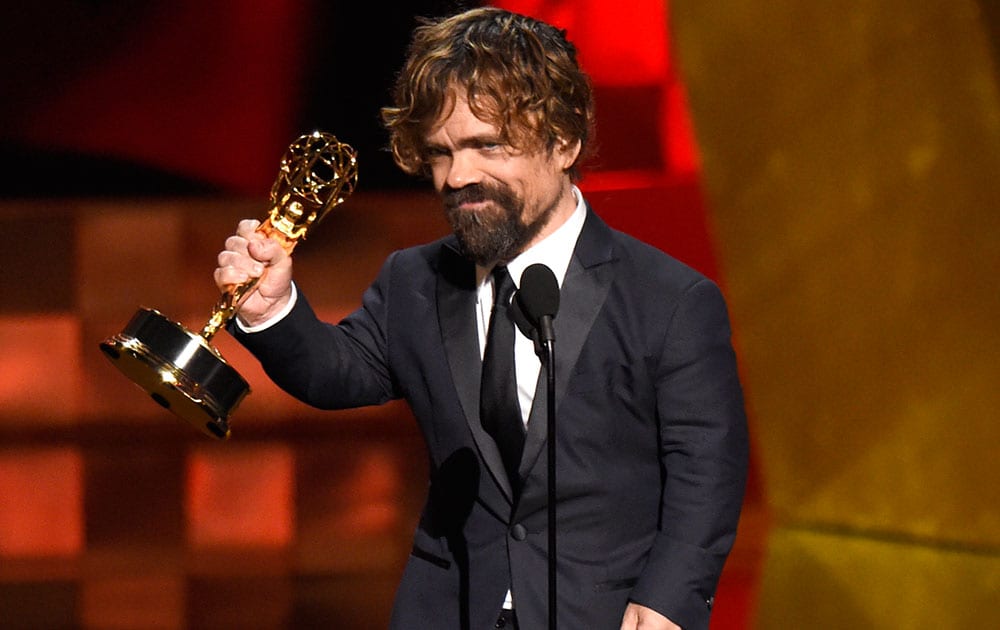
(273, 320)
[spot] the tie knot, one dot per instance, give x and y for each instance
(504, 285)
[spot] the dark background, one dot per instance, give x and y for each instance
(345, 55)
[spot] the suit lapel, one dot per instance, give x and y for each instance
(456, 302)
(582, 296)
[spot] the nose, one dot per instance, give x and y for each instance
(462, 170)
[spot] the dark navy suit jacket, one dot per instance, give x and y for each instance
(651, 434)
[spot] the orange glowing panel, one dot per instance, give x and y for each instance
(39, 361)
(117, 271)
(133, 601)
(41, 502)
(241, 496)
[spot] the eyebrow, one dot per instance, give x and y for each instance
(470, 142)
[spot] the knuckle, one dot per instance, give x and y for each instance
(247, 227)
(236, 243)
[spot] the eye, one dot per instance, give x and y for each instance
(435, 153)
(491, 146)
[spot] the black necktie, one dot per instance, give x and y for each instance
(499, 410)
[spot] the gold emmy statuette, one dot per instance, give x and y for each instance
(180, 369)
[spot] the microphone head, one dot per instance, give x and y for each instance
(539, 293)
(516, 313)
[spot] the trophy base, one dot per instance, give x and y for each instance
(180, 370)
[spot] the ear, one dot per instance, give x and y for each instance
(567, 152)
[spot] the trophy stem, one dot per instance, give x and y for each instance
(229, 302)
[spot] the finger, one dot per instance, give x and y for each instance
(247, 227)
(239, 261)
(236, 243)
(227, 276)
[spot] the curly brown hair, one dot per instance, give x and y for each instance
(518, 73)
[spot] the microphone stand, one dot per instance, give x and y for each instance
(548, 345)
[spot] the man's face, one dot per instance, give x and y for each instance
(498, 199)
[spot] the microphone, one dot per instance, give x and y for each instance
(526, 326)
(538, 298)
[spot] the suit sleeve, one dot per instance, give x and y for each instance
(325, 365)
(704, 454)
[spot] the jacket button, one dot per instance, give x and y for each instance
(518, 532)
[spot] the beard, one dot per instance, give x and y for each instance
(497, 232)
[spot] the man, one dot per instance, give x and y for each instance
(651, 445)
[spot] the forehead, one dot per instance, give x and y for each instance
(457, 122)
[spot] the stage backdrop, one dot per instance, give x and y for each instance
(850, 155)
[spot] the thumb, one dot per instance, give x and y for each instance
(631, 619)
(266, 250)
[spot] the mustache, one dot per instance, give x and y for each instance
(477, 193)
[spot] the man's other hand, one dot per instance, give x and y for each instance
(641, 618)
